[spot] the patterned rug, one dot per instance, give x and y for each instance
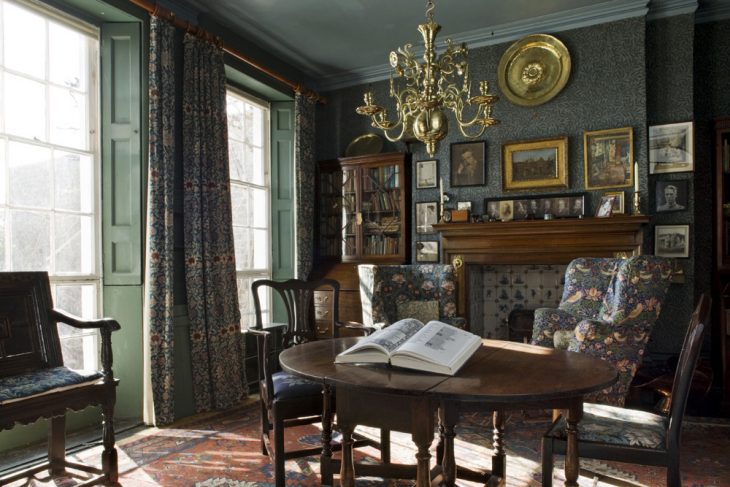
(223, 450)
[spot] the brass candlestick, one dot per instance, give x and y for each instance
(637, 203)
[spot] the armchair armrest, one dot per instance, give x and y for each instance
(354, 325)
(105, 326)
(547, 322)
(590, 337)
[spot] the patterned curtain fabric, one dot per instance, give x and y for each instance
(210, 268)
(305, 173)
(159, 279)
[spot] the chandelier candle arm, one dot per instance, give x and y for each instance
(431, 87)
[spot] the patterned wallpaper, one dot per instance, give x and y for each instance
(624, 73)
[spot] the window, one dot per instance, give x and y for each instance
(248, 123)
(49, 162)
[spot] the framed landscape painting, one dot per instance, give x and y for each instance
(671, 148)
(671, 240)
(609, 156)
(535, 164)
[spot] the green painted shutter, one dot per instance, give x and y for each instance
(121, 153)
(283, 236)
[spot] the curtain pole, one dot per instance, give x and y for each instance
(158, 11)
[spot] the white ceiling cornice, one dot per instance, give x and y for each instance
(580, 17)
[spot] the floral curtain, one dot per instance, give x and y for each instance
(210, 268)
(159, 333)
(304, 112)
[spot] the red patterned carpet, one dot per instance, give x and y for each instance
(223, 450)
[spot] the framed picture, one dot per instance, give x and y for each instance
(671, 240)
(605, 206)
(534, 207)
(427, 251)
(609, 156)
(671, 196)
(535, 164)
(671, 148)
(468, 162)
(426, 174)
(426, 216)
(463, 205)
(618, 203)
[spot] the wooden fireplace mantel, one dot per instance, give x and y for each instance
(537, 242)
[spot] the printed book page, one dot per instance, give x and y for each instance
(379, 346)
(437, 347)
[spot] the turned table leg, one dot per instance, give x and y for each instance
(447, 420)
(499, 459)
(326, 456)
(572, 467)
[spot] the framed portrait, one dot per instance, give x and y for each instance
(671, 148)
(671, 196)
(426, 216)
(534, 207)
(609, 156)
(427, 251)
(605, 206)
(671, 240)
(468, 163)
(535, 164)
(426, 174)
(618, 203)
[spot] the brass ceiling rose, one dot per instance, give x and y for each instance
(533, 70)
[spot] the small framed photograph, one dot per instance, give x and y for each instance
(671, 148)
(671, 240)
(671, 196)
(609, 156)
(535, 164)
(605, 206)
(577, 206)
(426, 174)
(427, 251)
(426, 216)
(463, 205)
(468, 163)
(506, 210)
(534, 207)
(618, 203)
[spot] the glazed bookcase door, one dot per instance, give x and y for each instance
(382, 211)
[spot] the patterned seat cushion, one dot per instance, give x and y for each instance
(45, 381)
(288, 386)
(615, 425)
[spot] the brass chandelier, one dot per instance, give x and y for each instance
(430, 88)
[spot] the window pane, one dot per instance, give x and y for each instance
(257, 166)
(259, 199)
(244, 248)
(241, 204)
(235, 160)
(25, 107)
(2, 171)
(67, 114)
(254, 125)
(68, 57)
(80, 352)
(74, 181)
(30, 240)
(77, 299)
(24, 41)
(73, 236)
(3, 261)
(261, 249)
(234, 109)
(30, 175)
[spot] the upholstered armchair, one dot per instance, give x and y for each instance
(393, 292)
(608, 309)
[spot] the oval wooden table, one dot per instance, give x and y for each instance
(499, 376)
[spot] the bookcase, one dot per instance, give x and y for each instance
(363, 214)
(721, 298)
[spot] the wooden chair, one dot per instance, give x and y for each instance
(288, 400)
(625, 435)
(35, 384)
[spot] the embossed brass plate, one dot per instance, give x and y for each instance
(533, 70)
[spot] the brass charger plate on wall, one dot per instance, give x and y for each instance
(533, 70)
(364, 145)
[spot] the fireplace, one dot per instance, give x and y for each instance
(533, 242)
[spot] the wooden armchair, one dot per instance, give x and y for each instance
(35, 384)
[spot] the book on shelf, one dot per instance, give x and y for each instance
(434, 347)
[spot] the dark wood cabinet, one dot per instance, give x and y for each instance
(721, 284)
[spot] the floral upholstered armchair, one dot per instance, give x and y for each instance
(608, 309)
(393, 292)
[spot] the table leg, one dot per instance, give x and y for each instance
(447, 419)
(326, 456)
(572, 467)
(347, 467)
(422, 435)
(499, 459)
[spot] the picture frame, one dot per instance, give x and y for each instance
(618, 204)
(427, 251)
(605, 206)
(671, 196)
(671, 241)
(463, 205)
(427, 174)
(468, 163)
(535, 164)
(534, 207)
(426, 215)
(608, 158)
(671, 148)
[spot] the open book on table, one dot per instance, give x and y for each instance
(433, 347)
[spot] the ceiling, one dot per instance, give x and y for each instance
(345, 42)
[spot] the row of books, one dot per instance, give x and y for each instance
(380, 245)
(382, 201)
(385, 177)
